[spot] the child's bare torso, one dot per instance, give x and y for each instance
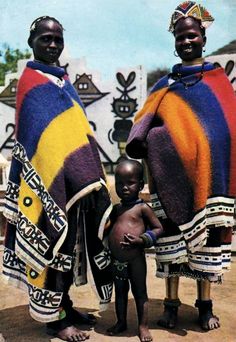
(126, 220)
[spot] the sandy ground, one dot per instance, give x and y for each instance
(17, 326)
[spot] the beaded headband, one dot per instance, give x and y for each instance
(191, 9)
(38, 20)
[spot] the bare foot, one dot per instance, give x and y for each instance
(116, 329)
(169, 318)
(72, 334)
(144, 334)
(209, 321)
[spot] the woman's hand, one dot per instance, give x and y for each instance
(131, 241)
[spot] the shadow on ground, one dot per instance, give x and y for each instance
(16, 325)
(188, 316)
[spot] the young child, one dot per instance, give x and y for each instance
(134, 227)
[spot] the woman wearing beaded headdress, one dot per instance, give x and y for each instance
(57, 201)
(186, 132)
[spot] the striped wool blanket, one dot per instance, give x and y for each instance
(187, 134)
(55, 163)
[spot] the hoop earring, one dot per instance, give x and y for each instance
(175, 54)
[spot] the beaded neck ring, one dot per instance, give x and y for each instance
(190, 84)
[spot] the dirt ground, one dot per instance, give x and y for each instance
(17, 326)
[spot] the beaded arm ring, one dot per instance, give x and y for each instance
(149, 239)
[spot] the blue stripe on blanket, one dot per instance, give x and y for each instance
(31, 255)
(55, 102)
(175, 251)
(71, 90)
(162, 83)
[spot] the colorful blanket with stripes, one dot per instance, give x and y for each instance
(55, 163)
(188, 136)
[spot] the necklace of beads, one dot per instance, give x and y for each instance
(190, 84)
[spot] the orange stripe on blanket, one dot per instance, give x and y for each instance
(151, 104)
(194, 152)
(222, 89)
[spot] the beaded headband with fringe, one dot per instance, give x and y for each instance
(191, 9)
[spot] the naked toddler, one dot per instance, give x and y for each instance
(128, 237)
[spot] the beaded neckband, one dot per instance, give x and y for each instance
(49, 69)
(190, 84)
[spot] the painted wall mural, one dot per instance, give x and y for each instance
(7, 126)
(9, 142)
(124, 107)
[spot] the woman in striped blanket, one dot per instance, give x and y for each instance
(52, 238)
(186, 132)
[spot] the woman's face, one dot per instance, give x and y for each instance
(188, 39)
(48, 42)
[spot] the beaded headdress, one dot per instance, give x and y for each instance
(44, 17)
(191, 9)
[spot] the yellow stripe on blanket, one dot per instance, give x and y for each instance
(150, 104)
(35, 279)
(191, 143)
(55, 144)
(33, 211)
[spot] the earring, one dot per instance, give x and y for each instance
(175, 54)
(204, 49)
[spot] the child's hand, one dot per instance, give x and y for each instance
(131, 241)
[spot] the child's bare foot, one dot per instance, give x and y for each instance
(116, 329)
(72, 334)
(144, 334)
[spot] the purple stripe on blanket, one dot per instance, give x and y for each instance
(138, 134)
(77, 174)
(161, 151)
